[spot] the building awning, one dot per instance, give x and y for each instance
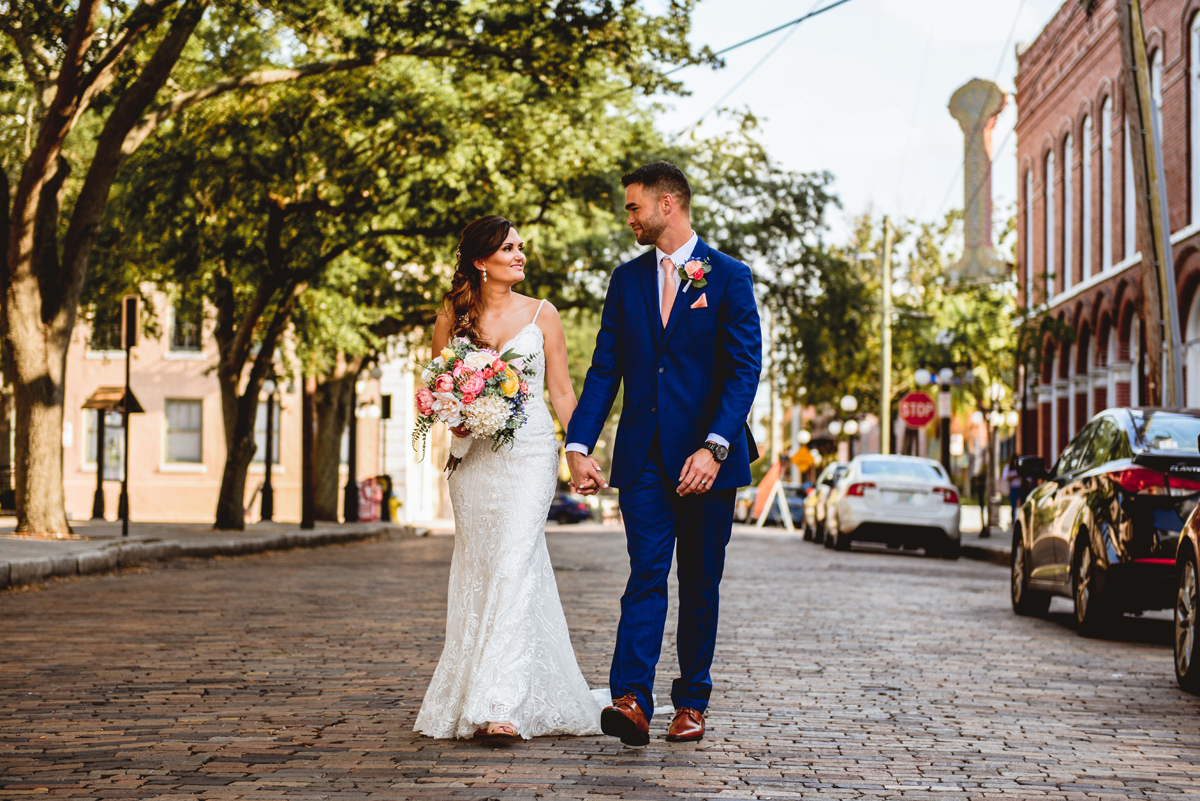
(112, 399)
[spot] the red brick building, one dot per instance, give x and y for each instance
(1077, 232)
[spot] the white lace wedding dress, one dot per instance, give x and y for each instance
(508, 655)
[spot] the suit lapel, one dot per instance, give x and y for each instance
(649, 276)
(684, 299)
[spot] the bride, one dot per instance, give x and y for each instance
(507, 668)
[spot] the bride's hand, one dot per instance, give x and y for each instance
(461, 431)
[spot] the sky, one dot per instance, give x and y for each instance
(862, 91)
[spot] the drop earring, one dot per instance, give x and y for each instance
(485, 276)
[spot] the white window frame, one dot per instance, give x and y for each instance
(1049, 265)
(172, 465)
(1129, 200)
(1068, 214)
(1029, 303)
(1195, 132)
(1086, 205)
(1108, 214)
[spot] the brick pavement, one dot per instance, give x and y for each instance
(297, 675)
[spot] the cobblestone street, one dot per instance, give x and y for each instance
(838, 675)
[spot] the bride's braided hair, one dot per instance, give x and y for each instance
(463, 303)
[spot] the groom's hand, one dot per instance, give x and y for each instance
(585, 473)
(699, 472)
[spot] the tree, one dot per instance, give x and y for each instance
(118, 69)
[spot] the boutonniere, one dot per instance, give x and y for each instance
(694, 271)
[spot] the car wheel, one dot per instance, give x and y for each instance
(1024, 600)
(1091, 613)
(563, 518)
(819, 533)
(840, 541)
(808, 533)
(1187, 644)
(951, 549)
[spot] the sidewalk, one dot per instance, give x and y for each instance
(98, 547)
(996, 548)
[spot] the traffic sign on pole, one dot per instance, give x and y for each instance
(916, 409)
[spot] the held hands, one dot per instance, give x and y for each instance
(585, 474)
(699, 472)
(461, 431)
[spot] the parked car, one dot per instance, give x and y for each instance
(904, 501)
(1104, 526)
(1187, 606)
(794, 493)
(568, 508)
(743, 504)
(814, 504)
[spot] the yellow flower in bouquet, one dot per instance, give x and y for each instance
(510, 383)
(448, 355)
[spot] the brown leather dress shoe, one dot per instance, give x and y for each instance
(687, 727)
(625, 719)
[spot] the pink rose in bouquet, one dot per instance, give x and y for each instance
(694, 270)
(499, 366)
(467, 399)
(472, 384)
(424, 401)
(487, 373)
(460, 368)
(443, 383)
(524, 388)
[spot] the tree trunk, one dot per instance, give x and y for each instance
(333, 414)
(231, 515)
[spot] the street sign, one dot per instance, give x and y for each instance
(802, 459)
(916, 409)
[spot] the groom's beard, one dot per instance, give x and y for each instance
(651, 230)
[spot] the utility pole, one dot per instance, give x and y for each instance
(308, 472)
(885, 369)
(1163, 342)
(129, 320)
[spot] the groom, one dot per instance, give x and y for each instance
(680, 328)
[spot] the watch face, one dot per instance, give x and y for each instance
(719, 452)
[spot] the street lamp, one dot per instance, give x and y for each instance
(804, 437)
(835, 427)
(849, 403)
(923, 377)
(851, 428)
(267, 507)
(350, 498)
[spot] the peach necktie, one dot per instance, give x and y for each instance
(668, 290)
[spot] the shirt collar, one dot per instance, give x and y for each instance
(679, 257)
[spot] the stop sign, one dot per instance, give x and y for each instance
(916, 410)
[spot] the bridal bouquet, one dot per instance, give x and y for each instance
(476, 387)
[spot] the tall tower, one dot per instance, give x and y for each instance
(975, 106)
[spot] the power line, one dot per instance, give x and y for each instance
(812, 13)
(794, 24)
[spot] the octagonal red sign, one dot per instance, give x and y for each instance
(917, 409)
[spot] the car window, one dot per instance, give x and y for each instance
(1108, 444)
(826, 474)
(1072, 457)
(1164, 431)
(895, 467)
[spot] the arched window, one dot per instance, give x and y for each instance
(1127, 194)
(1050, 266)
(1108, 214)
(1195, 103)
(1068, 262)
(1086, 206)
(1156, 75)
(1029, 303)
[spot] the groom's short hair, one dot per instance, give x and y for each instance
(662, 178)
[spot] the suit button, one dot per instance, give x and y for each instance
(653, 409)
(662, 370)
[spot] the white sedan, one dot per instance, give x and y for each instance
(904, 501)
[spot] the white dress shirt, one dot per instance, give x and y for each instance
(678, 258)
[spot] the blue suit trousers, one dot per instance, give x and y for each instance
(697, 528)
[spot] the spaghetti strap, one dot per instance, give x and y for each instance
(536, 313)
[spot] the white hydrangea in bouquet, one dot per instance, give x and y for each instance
(477, 387)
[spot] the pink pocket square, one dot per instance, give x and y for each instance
(701, 302)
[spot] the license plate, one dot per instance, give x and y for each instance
(899, 497)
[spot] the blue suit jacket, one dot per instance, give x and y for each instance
(697, 376)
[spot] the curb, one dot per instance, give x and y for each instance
(118, 556)
(982, 554)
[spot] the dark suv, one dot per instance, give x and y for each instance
(1104, 526)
